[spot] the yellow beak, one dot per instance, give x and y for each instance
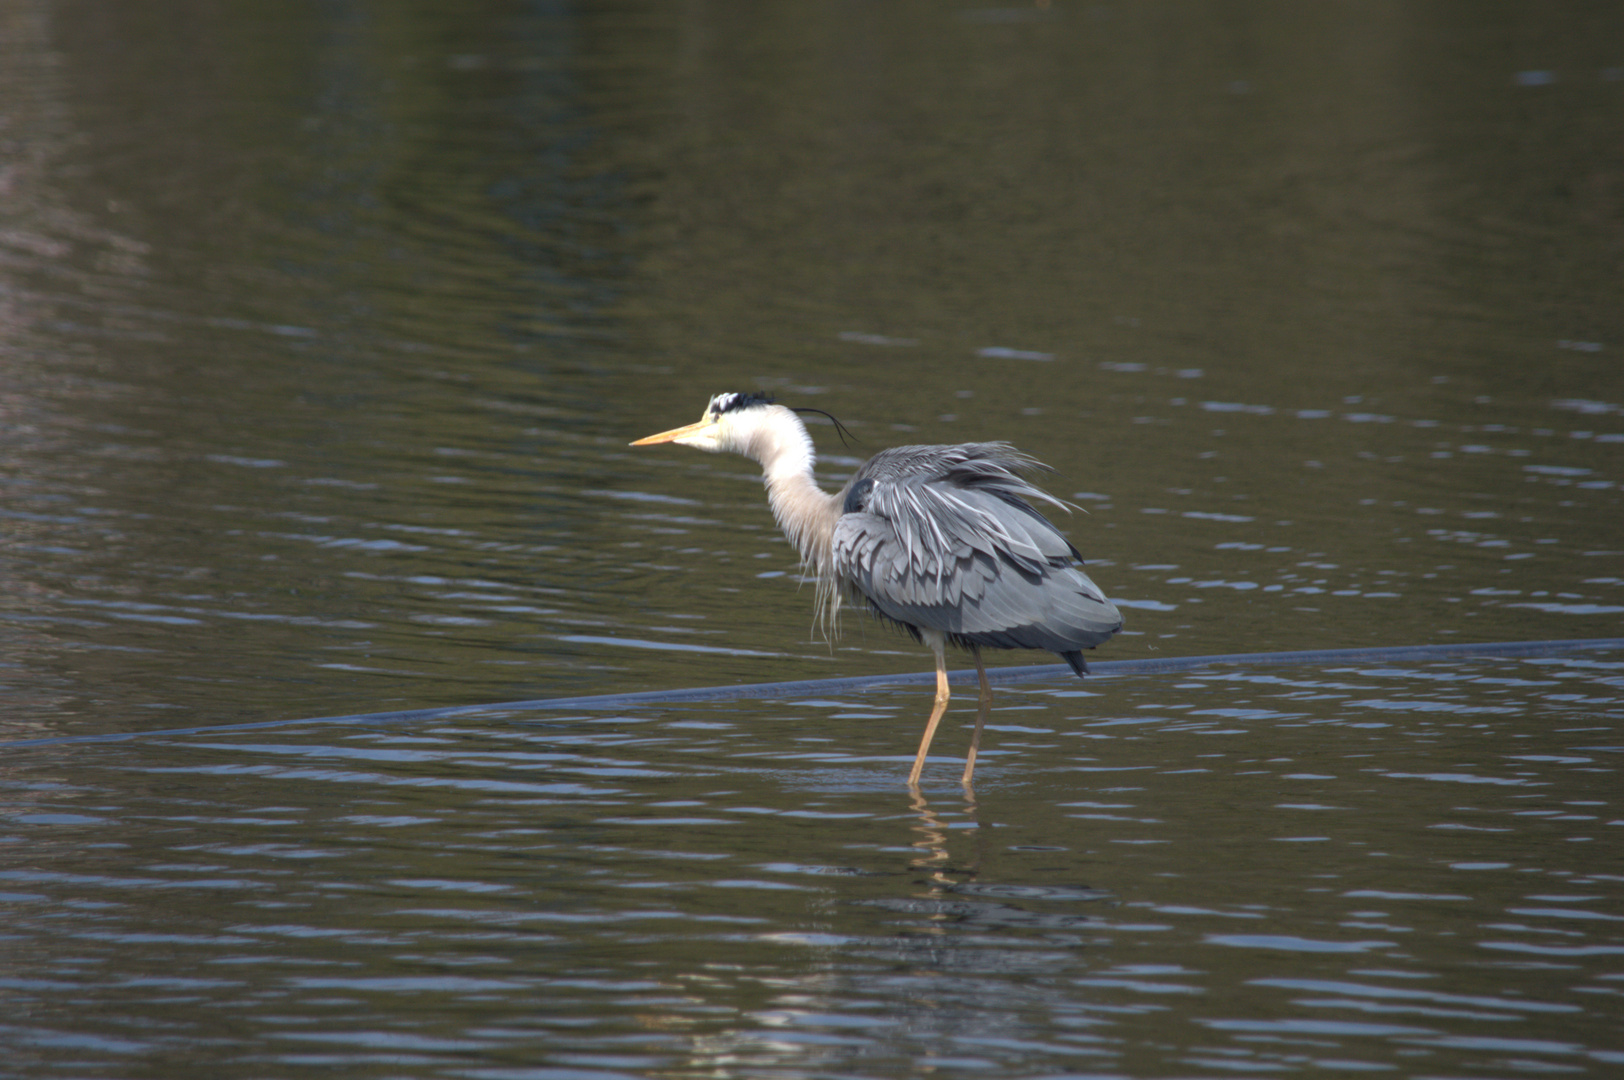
(676, 433)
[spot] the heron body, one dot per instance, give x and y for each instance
(940, 540)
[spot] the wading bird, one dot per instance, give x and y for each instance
(937, 539)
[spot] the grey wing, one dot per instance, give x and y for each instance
(940, 537)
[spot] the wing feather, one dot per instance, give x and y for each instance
(942, 538)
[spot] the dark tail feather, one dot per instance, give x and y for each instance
(1078, 664)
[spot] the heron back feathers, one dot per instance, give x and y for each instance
(941, 538)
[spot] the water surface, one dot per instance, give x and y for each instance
(324, 327)
(1409, 869)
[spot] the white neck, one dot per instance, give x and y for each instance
(804, 511)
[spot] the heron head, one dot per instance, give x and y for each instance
(726, 424)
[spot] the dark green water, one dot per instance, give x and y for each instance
(324, 327)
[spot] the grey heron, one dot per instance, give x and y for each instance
(937, 539)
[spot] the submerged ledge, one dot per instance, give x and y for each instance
(820, 687)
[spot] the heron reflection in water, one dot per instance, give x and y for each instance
(937, 539)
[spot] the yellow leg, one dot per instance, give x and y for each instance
(935, 714)
(981, 718)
